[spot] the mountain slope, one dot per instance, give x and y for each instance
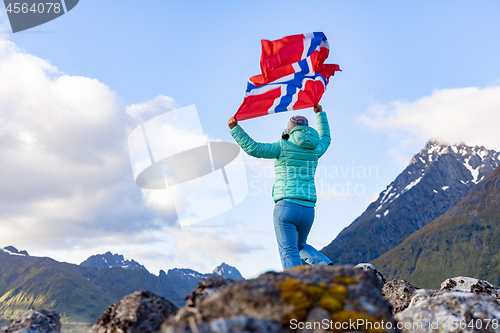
(464, 241)
(436, 179)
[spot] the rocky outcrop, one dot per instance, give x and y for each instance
(462, 304)
(468, 284)
(371, 269)
(281, 302)
(139, 312)
(35, 321)
(398, 293)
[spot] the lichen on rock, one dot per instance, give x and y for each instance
(334, 293)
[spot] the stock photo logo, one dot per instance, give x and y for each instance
(27, 14)
(203, 178)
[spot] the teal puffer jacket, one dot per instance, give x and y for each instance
(295, 161)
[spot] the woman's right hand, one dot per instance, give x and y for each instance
(319, 108)
(232, 122)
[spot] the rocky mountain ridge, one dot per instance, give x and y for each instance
(109, 260)
(436, 179)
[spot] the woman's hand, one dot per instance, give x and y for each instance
(232, 122)
(319, 108)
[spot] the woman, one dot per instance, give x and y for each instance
(295, 160)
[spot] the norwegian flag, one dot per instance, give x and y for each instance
(293, 77)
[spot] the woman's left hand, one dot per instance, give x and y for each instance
(232, 122)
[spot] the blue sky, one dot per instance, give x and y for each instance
(410, 71)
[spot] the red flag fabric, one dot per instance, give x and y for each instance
(294, 76)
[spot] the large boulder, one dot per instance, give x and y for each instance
(399, 293)
(450, 311)
(139, 312)
(284, 302)
(35, 321)
(471, 285)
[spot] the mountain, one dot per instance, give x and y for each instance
(436, 179)
(81, 293)
(109, 260)
(463, 242)
(227, 271)
(33, 282)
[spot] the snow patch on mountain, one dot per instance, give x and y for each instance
(474, 159)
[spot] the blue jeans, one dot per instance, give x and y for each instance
(292, 223)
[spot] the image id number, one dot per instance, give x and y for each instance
(35, 8)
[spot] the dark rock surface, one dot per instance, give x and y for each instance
(371, 269)
(338, 293)
(399, 294)
(139, 312)
(35, 321)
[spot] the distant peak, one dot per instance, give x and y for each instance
(109, 260)
(435, 148)
(13, 251)
(226, 270)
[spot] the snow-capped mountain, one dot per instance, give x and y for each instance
(109, 260)
(436, 179)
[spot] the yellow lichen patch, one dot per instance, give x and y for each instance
(363, 322)
(289, 288)
(294, 293)
(338, 291)
(315, 292)
(349, 280)
(330, 304)
(306, 296)
(300, 268)
(344, 280)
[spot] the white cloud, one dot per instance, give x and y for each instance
(469, 114)
(66, 184)
(146, 110)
